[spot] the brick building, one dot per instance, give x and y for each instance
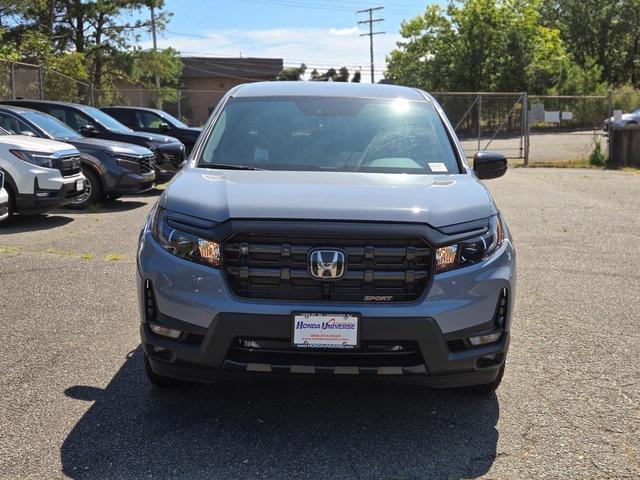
(206, 79)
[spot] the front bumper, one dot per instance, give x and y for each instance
(130, 183)
(49, 193)
(196, 300)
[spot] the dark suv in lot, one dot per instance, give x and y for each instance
(93, 122)
(328, 228)
(111, 169)
(155, 121)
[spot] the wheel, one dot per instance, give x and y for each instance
(92, 191)
(488, 388)
(159, 381)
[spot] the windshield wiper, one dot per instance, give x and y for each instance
(226, 166)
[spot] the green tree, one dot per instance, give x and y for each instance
(329, 75)
(96, 30)
(602, 33)
(293, 73)
(342, 76)
(474, 45)
(356, 77)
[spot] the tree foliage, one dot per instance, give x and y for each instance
(89, 40)
(600, 33)
(293, 73)
(491, 45)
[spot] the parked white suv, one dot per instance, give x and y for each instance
(39, 174)
(4, 200)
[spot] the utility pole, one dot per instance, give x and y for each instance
(155, 50)
(371, 33)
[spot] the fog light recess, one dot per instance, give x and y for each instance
(164, 331)
(484, 339)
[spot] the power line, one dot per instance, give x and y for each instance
(371, 33)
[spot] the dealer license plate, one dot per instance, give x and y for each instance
(325, 330)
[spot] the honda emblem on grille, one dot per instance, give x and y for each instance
(327, 264)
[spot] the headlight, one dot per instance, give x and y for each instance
(471, 251)
(34, 158)
(183, 244)
(129, 162)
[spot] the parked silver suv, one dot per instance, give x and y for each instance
(326, 228)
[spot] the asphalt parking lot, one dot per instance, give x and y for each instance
(544, 147)
(74, 400)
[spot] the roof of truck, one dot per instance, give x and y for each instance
(327, 89)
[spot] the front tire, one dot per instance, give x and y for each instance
(159, 381)
(92, 191)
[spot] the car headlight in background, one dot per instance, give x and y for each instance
(35, 158)
(471, 251)
(129, 162)
(183, 244)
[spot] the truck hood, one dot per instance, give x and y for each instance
(437, 200)
(152, 137)
(34, 144)
(92, 144)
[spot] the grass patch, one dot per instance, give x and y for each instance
(114, 257)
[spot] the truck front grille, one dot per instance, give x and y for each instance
(377, 270)
(68, 165)
(147, 164)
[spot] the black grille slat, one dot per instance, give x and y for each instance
(147, 164)
(276, 267)
(69, 165)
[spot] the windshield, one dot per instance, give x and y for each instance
(52, 126)
(331, 134)
(173, 120)
(106, 121)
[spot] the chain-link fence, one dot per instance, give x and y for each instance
(23, 80)
(527, 128)
(485, 121)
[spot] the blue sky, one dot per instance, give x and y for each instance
(321, 33)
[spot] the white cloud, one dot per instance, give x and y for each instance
(341, 32)
(319, 48)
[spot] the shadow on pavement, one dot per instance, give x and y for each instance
(110, 206)
(273, 428)
(30, 223)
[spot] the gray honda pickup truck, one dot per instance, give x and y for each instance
(329, 229)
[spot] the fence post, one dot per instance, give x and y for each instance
(525, 119)
(610, 127)
(13, 81)
(479, 118)
(179, 107)
(40, 83)
(92, 95)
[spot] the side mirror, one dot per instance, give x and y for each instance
(27, 133)
(164, 127)
(88, 130)
(488, 165)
